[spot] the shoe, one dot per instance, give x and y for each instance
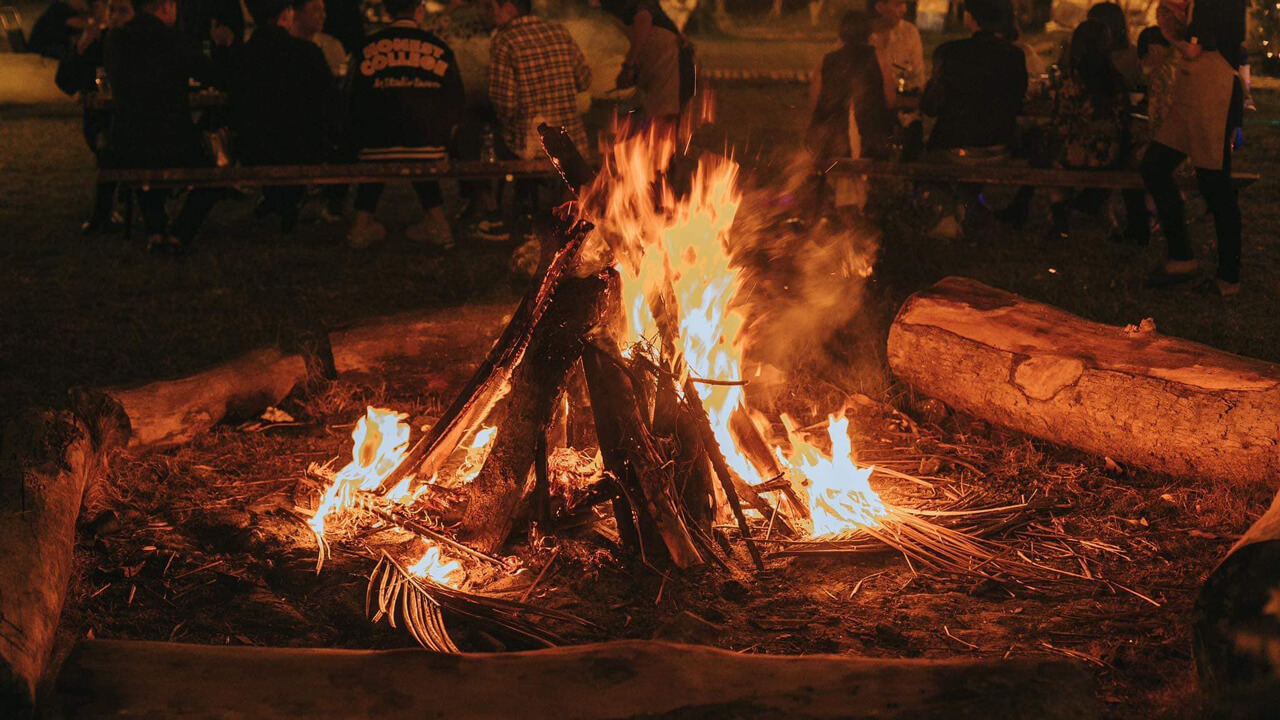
(490, 227)
(365, 232)
(432, 230)
(1163, 278)
(948, 228)
(330, 216)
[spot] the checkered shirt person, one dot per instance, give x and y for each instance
(536, 72)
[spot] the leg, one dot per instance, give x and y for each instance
(197, 206)
(1220, 195)
(1137, 228)
(1157, 172)
(367, 196)
(366, 231)
(154, 217)
(434, 228)
(429, 194)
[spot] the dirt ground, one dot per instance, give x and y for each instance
(206, 545)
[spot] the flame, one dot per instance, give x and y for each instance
(477, 451)
(381, 440)
(840, 497)
(676, 254)
(434, 566)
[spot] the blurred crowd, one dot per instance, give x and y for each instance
(1108, 102)
(304, 84)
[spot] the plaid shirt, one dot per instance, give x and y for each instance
(536, 72)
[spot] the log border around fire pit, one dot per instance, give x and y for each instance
(623, 679)
(170, 413)
(1152, 401)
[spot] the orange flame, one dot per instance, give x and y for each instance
(840, 498)
(381, 440)
(433, 565)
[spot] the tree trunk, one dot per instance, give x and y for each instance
(46, 461)
(112, 678)
(1138, 397)
(556, 344)
(1236, 622)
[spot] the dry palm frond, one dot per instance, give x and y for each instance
(421, 605)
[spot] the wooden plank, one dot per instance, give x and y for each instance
(328, 174)
(627, 679)
(1005, 174)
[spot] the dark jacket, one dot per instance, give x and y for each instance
(50, 36)
(976, 92)
(344, 20)
(284, 100)
(78, 75)
(850, 74)
(149, 65)
(406, 94)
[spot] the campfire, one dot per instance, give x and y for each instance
(619, 382)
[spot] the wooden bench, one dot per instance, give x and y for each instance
(329, 174)
(1006, 174)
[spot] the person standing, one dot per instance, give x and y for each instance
(284, 103)
(78, 74)
(976, 94)
(55, 31)
(150, 65)
(849, 115)
(659, 62)
(1205, 107)
(406, 101)
(901, 56)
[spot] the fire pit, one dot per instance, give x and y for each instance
(617, 466)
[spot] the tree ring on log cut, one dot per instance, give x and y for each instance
(1044, 376)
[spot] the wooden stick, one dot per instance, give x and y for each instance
(721, 466)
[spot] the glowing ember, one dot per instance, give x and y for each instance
(840, 498)
(476, 454)
(381, 440)
(434, 566)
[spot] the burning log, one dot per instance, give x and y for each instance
(47, 460)
(555, 344)
(627, 447)
(1138, 397)
(112, 678)
(1237, 622)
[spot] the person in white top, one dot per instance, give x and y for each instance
(901, 55)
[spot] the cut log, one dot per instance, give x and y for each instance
(1138, 397)
(46, 461)
(111, 678)
(555, 345)
(1236, 622)
(169, 413)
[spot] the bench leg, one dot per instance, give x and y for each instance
(128, 214)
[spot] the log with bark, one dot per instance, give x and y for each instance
(1236, 623)
(555, 344)
(1133, 395)
(47, 459)
(111, 678)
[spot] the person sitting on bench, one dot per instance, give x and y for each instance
(976, 94)
(284, 103)
(406, 101)
(150, 65)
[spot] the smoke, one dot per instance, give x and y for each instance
(807, 277)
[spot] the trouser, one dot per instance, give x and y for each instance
(197, 205)
(967, 197)
(1215, 186)
(368, 194)
(104, 200)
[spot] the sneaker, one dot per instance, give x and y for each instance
(490, 227)
(365, 232)
(432, 230)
